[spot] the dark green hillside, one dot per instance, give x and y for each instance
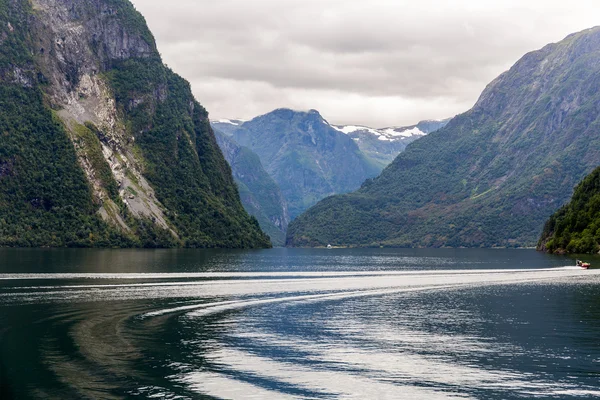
(79, 167)
(44, 197)
(575, 228)
(493, 175)
(182, 158)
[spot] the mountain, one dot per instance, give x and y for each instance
(384, 145)
(575, 228)
(102, 144)
(227, 126)
(493, 175)
(259, 193)
(381, 146)
(308, 158)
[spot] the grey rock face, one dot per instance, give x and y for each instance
(78, 41)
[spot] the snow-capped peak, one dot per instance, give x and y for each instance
(385, 134)
(347, 129)
(403, 132)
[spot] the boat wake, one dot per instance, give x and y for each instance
(293, 335)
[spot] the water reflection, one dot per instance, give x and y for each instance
(282, 259)
(350, 324)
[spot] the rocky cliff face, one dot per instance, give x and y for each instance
(154, 171)
(493, 175)
(78, 41)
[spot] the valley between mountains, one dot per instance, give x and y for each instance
(103, 145)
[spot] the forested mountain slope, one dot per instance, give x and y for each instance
(102, 145)
(493, 175)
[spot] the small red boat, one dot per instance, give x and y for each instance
(583, 265)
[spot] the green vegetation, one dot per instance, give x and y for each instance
(493, 175)
(45, 198)
(87, 138)
(575, 228)
(14, 37)
(183, 163)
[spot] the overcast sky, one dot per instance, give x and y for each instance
(372, 62)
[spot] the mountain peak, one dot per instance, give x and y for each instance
(289, 113)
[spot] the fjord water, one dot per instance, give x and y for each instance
(297, 324)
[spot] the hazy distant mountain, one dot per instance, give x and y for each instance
(383, 145)
(493, 175)
(259, 193)
(307, 157)
(227, 126)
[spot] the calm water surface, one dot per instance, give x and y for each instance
(297, 324)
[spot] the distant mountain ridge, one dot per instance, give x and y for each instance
(306, 156)
(305, 133)
(493, 175)
(227, 126)
(383, 145)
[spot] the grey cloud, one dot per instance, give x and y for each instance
(244, 58)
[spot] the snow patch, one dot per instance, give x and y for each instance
(404, 133)
(347, 129)
(228, 121)
(385, 134)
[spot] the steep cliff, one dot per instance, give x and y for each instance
(493, 175)
(259, 193)
(105, 145)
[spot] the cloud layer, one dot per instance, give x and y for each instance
(377, 63)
